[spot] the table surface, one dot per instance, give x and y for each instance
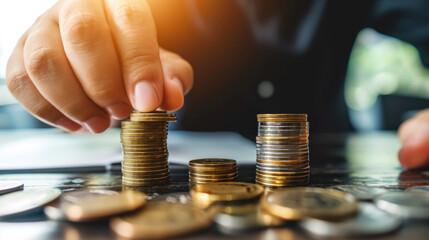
(362, 159)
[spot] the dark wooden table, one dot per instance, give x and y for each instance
(362, 159)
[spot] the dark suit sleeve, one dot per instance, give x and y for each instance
(407, 20)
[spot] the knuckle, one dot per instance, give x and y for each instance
(40, 60)
(16, 81)
(78, 26)
(128, 13)
(143, 67)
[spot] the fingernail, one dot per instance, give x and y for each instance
(119, 110)
(97, 124)
(145, 97)
(178, 83)
(67, 124)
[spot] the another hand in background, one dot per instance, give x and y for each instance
(84, 62)
(414, 135)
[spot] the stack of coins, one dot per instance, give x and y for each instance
(212, 170)
(282, 150)
(144, 146)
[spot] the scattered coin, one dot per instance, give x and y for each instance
(298, 203)
(56, 209)
(206, 194)
(161, 220)
(360, 192)
(242, 217)
(26, 201)
(282, 150)
(212, 170)
(424, 189)
(100, 206)
(144, 147)
(10, 186)
(406, 204)
(369, 221)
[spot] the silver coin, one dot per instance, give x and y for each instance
(406, 204)
(369, 221)
(25, 201)
(361, 192)
(10, 186)
(423, 189)
(55, 210)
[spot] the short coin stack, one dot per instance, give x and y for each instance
(282, 150)
(209, 170)
(144, 146)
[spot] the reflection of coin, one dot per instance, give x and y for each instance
(424, 189)
(100, 206)
(10, 186)
(361, 192)
(297, 203)
(55, 210)
(28, 200)
(226, 191)
(159, 220)
(407, 204)
(368, 222)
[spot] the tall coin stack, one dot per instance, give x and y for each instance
(144, 147)
(282, 150)
(209, 170)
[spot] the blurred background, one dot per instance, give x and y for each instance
(385, 83)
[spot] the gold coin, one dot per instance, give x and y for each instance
(283, 184)
(212, 162)
(280, 162)
(227, 191)
(161, 220)
(224, 179)
(213, 170)
(282, 115)
(104, 206)
(269, 173)
(226, 175)
(297, 203)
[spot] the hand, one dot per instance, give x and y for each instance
(414, 135)
(84, 62)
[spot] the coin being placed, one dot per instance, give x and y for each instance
(423, 189)
(360, 192)
(101, 206)
(10, 186)
(161, 220)
(56, 209)
(207, 193)
(301, 202)
(406, 204)
(369, 221)
(26, 201)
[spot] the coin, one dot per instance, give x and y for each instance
(212, 170)
(424, 189)
(298, 203)
(239, 218)
(370, 221)
(26, 201)
(406, 204)
(55, 210)
(226, 191)
(10, 186)
(91, 208)
(360, 192)
(160, 220)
